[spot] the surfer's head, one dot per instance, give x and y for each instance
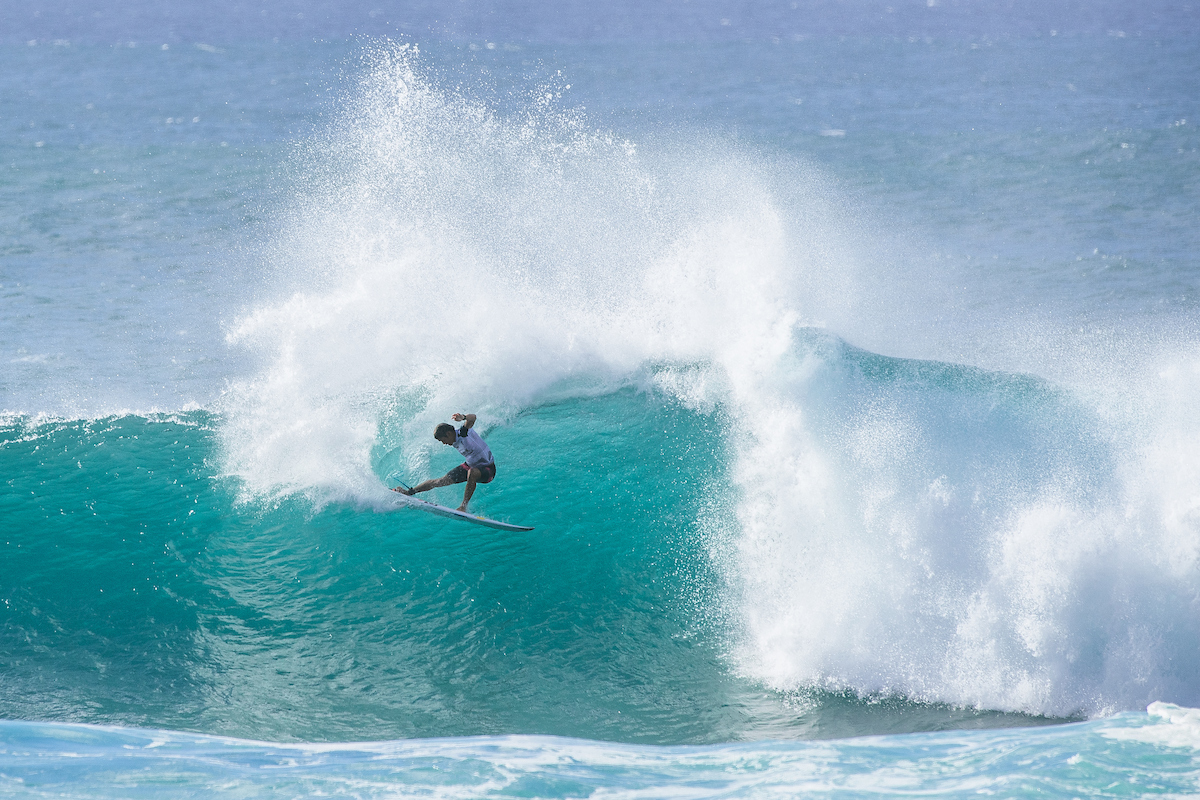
(444, 433)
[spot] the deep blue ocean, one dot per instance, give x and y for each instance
(845, 357)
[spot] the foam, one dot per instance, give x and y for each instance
(998, 545)
(1170, 726)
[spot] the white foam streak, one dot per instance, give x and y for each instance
(1172, 726)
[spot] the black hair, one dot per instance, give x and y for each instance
(442, 430)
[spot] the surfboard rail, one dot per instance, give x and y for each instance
(454, 513)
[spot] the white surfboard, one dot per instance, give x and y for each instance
(454, 513)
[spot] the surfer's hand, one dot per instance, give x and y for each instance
(457, 417)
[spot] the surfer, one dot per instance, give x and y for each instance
(479, 467)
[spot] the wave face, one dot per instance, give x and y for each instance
(852, 522)
(749, 522)
(148, 595)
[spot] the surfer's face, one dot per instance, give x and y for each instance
(448, 439)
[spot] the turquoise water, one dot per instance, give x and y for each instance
(269, 620)
(844, 364)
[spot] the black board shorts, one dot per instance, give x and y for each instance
(459, 473)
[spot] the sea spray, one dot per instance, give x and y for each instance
(438, 249)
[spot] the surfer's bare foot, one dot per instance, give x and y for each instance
(463, 507)
(403, 490)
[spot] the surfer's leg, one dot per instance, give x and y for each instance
(472, 479)
(432, 483)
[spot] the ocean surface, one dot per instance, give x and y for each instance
(845, 358)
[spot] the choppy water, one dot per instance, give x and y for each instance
(1125, 756)
(847, 373)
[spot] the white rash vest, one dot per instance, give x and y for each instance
(473, 448)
